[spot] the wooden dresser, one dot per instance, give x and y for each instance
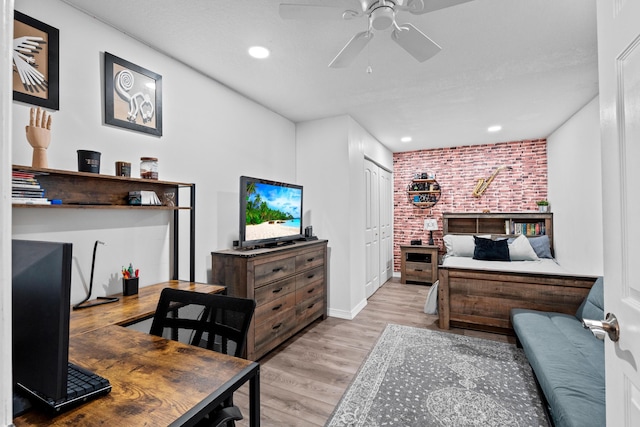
(289, 284)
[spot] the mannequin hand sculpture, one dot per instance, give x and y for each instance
(39, 136)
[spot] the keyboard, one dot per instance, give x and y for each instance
(82, 385)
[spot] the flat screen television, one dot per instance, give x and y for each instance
(270, 212)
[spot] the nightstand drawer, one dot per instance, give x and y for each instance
(418, 269)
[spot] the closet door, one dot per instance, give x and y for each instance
(372, 227)
(386, 230)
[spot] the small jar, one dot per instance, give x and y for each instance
(148, 167)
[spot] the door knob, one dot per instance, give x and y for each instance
(600, 328)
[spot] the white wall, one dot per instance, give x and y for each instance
(211, 136)
(575, 191)
(6, 389)
(335, 202)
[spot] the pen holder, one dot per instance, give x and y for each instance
(130, 286)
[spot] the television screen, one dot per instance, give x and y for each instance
(270, 212)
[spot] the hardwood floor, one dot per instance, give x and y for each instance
(302, 381)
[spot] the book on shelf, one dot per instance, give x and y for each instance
(28, 194)
(26, 186)
(29, 201)
(528, 228)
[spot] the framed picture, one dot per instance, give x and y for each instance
(132, 96)
(35, 62)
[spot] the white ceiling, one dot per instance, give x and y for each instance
(527, 65)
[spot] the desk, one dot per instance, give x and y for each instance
(154, 381)
(130, 309)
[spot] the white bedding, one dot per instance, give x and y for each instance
(541, 265)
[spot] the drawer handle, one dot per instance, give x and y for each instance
(417, 269)
(311, 306)
(277, 307)
(311, 290)
(275, 291)
(275, 270)
(310, 276)
(276, 326)
(310, 259)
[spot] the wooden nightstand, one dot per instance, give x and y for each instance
(419, 264)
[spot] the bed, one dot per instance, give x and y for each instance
(479, 294)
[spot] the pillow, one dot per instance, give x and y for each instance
(491, 250)
(592, 306)
(542, 246)
(459, 245)
(520, 250)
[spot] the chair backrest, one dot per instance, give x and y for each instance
(213, 321)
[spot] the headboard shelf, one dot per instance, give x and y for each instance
(530, 224)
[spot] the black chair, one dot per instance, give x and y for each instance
(212, 321)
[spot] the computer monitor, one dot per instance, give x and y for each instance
(41, 305)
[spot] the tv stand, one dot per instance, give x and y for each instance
(288, 283)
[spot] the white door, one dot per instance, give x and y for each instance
(386, 232)
(372, 220)
(619, 74)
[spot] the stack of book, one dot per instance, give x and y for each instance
(26, 190)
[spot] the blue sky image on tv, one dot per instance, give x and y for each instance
(272, 211)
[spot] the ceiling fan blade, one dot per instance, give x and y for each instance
(351, 50)
(415, 42)
(419, 7)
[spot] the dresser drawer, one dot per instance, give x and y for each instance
(310, 309)
(310, 259)
(311, 276)
(273, 270)
(276, 326)
(273, 291)
(265, 312)
(310, 291)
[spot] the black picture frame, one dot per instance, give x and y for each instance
(36, 64)
(132, 96)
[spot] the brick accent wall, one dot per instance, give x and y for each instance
(457, 170)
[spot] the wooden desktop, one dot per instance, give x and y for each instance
(154, 381)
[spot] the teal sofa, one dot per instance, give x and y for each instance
(567, 360)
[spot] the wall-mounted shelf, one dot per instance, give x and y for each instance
(83, 190)
(424, 193)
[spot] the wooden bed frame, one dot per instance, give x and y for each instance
(482, 299)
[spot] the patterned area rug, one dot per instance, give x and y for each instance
(419, 377)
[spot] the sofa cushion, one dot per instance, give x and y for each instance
(593, 305)
(569, 364)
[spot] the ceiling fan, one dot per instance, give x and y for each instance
(381, 15)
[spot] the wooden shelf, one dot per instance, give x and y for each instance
(83, 190)
(497, 224)
(419, 187)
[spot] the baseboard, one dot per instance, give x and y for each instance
(347, 315)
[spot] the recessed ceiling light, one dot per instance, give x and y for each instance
(406, 139)
(259, 52)
(494, 128)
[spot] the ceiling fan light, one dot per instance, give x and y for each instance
(382, 17)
